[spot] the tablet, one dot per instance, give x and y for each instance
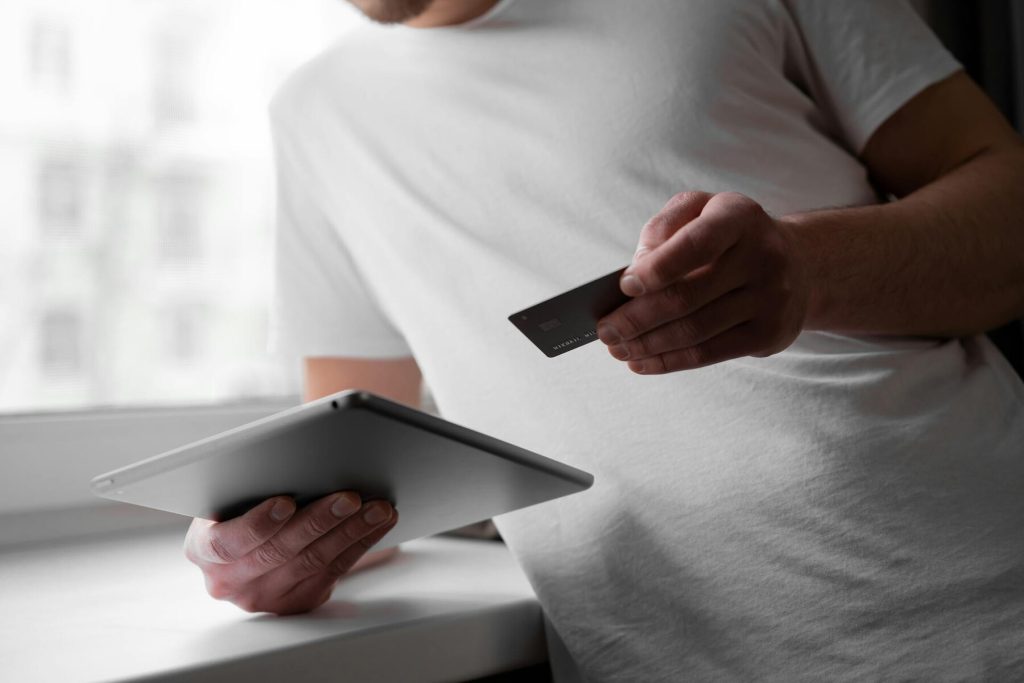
(439, 475)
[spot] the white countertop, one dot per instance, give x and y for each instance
(131, 607)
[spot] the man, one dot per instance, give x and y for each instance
(808, 461)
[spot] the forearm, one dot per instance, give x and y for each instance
(398, 379)
(946, 260)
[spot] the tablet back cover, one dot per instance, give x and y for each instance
(439, 476)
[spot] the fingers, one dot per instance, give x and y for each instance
(643, 314)
(726, 312)
(677, 212)
(314, 590)
(715, 278)
(347, 558)
(310, 524)
(275, 559)
(317, 588)
(226, 542)
(334, 554)
(732, 343)
(699, 242)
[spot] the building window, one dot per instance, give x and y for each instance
(50, 54)
(60, 197)
(185, 333)
(61, 343)
(179, 205)
(174, 78)
(134, 150)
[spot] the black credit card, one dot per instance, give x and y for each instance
(569, 320)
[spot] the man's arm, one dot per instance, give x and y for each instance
(947, 258)
(276, 558)
(716, 277)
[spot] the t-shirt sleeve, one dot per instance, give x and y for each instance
(321, 305)
(862, 60)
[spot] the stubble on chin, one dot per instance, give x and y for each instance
(391, 11)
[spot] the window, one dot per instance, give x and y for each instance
(184, 334)
(50, 54)
(174, 76)
(60, 350)
(179, 204)
(60, 197)
(140, 130)
(138, 208)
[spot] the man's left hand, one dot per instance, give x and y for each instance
(714, 277)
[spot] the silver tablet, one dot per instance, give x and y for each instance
(439, 475)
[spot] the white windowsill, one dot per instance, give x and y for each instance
(130, 607)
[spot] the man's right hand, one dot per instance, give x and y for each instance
(276, 559)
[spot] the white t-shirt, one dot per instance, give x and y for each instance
(849, 509)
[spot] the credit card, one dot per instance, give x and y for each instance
(569, 320)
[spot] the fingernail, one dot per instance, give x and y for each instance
(631, 285)
(376, 514)
(607, 333)
(636, 366)
(642, 251)
(343, 506)
(282, 510)
(618, 351)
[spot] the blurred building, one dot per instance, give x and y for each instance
(137, 201)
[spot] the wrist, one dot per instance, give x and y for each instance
(798, 231)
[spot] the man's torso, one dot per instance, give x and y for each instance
(848, 508)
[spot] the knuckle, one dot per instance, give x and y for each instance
(640, 347)
(253, 534)
(311, 561)
(630, 322)
(316, 526)
(668, 220)
(685, 332)
(656, 229)
(678, 297)
(218, 550)
(347, 534)
(735, 199)
(659, 271)
(270, 554)
(656, 365)
(736, 205)
(688, 197)
(643, 346)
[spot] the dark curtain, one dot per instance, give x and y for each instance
(987, 37)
